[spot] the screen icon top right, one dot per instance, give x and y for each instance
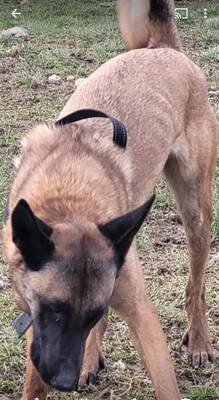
(183, 13)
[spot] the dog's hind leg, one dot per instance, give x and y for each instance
(93, 360)
(34, 387)
(189, 172)
(130, 301)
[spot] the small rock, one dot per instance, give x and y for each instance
(54, 78)
(79, 81)
(70, 78)
(119, 365)
(215, 92)
(146, 382)
(1, 284)
(16, 31)
(24, 3)
(13, 51)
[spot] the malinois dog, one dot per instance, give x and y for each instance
(78, 200)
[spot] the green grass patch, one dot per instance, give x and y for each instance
(206, 392)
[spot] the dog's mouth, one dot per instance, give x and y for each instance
(58, 345)
(65, 382)
(59, 372)
(64, 378)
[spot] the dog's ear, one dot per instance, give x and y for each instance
(121, 231)
(30, 235)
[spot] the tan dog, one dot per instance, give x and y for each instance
(70, 242)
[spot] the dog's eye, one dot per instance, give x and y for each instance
(57, 316)
(53, 314)
(55, 310)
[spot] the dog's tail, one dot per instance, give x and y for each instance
(148, 23)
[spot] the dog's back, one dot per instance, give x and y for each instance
(165, 87)
(151, 90)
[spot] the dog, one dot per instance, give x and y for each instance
(78, 200)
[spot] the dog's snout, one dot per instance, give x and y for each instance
(64, 382)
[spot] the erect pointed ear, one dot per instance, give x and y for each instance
(30, 235)
(121, 231)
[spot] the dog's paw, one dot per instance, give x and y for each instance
(89, 372)
(199, 349)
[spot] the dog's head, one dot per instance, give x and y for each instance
(64, 279)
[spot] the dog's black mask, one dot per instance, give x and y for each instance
(58, 343)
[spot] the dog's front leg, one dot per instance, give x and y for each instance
(93, 360)
(148, 339)
(131, 303)
(34, 387)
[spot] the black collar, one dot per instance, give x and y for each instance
(119, 130)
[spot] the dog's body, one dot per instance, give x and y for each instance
(76, 180)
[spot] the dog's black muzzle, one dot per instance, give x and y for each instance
(59, 362)
(62, 375)
(67, 379)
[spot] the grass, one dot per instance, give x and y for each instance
(205, 392)
(74, 38)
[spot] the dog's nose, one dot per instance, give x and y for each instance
(64, 383)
